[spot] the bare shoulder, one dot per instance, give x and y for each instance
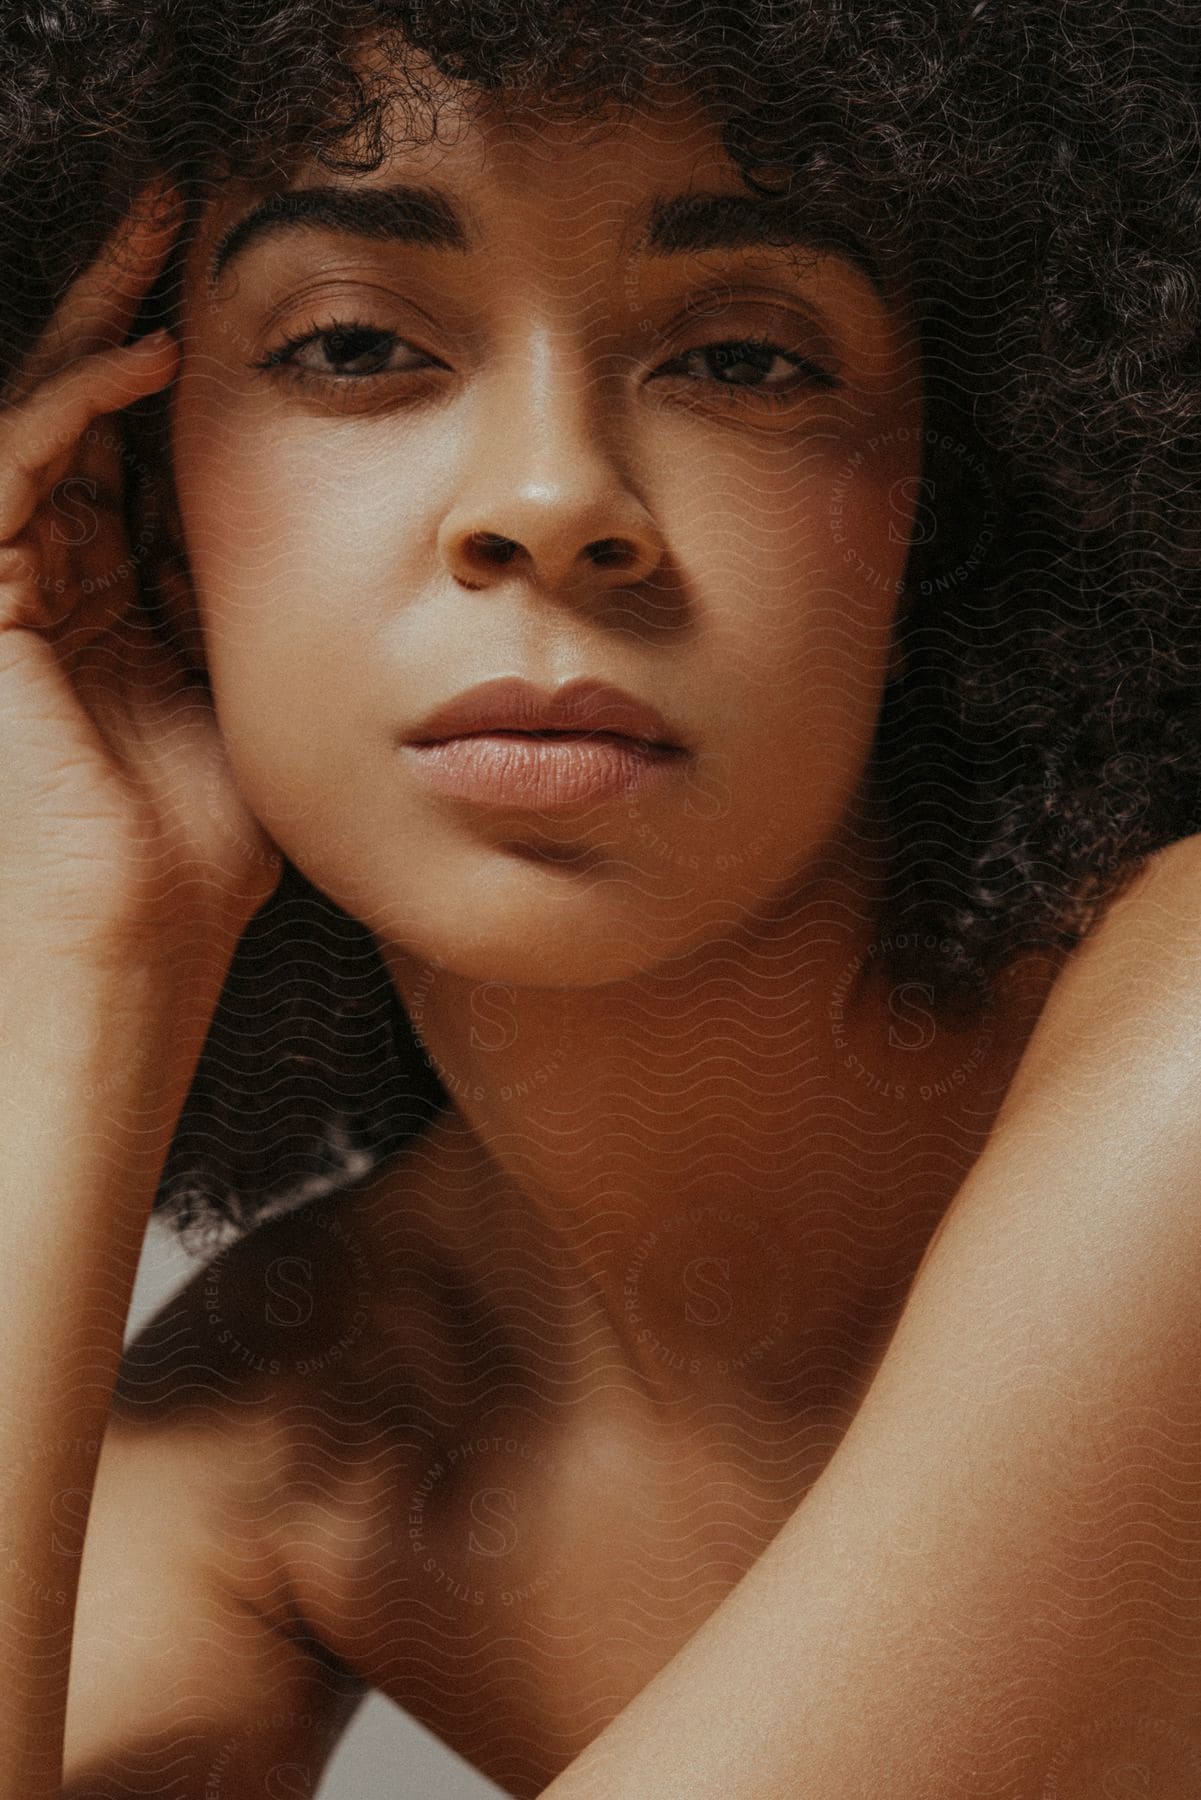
(189, 1674)
(186, 1677)
(255, 1417)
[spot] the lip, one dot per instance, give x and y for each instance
(511, 703)
(484, 745)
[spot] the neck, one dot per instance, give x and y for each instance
(739, 1156)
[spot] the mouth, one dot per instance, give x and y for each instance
(558, 737)
(580, 709)
(506, 743)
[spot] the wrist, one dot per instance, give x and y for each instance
(127, 1030)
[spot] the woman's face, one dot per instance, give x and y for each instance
(537, 416)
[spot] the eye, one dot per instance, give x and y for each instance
(745, 365)
(343, 351)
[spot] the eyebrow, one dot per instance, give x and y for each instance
(427, 217)
(699, 222)
(403, 215)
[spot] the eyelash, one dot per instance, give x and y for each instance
(281, 361)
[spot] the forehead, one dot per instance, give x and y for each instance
(472, 172)
(499, 149)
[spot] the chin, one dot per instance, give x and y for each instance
(529, 922)
(574, 966)
(540, 949)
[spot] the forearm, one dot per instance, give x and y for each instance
(1003, 1551)
(93, 1074)
(996, 1584)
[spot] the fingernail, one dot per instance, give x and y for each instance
(154, 339)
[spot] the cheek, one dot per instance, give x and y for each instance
(801, 573)
(301, 537)
(300, 552)
(278, 508)
(796, 575)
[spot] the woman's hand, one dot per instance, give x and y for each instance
(122, 833)
(129, 868)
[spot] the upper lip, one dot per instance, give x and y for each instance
(511, 703)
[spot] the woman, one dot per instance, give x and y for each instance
(690, 579)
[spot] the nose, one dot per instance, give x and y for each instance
(544, 493)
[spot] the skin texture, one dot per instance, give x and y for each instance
(550, 423)
(660, 1026)
(341, 593)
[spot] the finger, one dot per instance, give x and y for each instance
(162, 724)
(112, 609)
(65, 605)
(47, 425)
(25, 600)
(99, 307)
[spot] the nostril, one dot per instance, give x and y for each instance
(491, 544)
(607, 553)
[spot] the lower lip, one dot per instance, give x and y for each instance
(514, 769)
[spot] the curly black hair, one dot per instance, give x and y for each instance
(1035, 167)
